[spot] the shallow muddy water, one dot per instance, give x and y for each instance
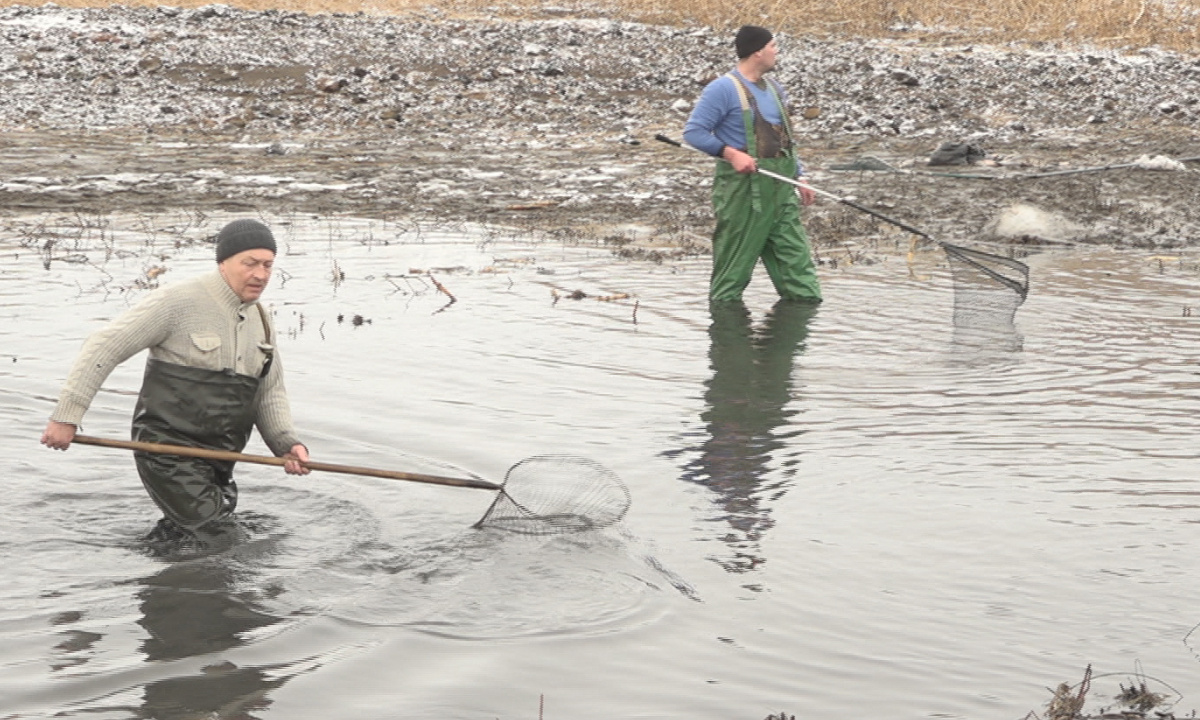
(857, 510)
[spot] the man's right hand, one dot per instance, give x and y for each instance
(742, 162)
(807, 195)
(58, 435)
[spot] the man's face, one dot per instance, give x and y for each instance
(248, 272)
(767, 55)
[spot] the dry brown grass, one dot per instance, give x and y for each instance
(1172, 24)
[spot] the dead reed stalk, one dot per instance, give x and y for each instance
(1126, 24)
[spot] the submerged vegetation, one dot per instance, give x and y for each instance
(1122, 24)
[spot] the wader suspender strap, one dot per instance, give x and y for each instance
(266, 331)
(749, 108)
(783, 113)
(747, 114)
(748, 111)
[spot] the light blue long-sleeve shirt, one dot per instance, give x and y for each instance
(716, 120)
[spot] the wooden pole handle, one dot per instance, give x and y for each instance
(165, 449)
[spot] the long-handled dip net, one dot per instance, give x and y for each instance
(985, 284)
(541, 495)
(551, 494)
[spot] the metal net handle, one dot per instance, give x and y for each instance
(557, 494)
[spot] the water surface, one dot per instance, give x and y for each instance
(853, 509)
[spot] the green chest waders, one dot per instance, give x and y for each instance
(759, 217)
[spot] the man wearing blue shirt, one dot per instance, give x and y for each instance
(741, 118)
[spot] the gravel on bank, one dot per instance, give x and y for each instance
(550, 123)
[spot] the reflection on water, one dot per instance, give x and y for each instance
(194, 609)
(748, 400)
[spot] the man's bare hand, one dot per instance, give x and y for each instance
(807, 196)
(296, 459)
(740, 161)
(58, 435)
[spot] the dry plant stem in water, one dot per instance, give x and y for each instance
(1066, 703)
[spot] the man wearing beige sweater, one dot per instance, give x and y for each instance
(213, 374)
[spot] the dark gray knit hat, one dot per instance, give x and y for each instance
(242, 235)
(750, 39)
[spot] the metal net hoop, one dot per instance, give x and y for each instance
(557, 494)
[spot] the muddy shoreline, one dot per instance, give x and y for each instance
(549, 125)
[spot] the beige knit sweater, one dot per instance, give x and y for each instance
(198, 323)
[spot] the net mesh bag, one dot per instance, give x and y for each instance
(555, 494)
(988, 288)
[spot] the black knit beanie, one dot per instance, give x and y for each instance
(242, 235)
(750, 39)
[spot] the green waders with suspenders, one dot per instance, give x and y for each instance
(758, 216)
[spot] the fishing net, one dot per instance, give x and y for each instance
(988, 288)
(542, 495)
(556, 494)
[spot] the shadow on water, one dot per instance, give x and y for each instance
(747, 401)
